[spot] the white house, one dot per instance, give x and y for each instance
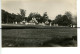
(33, 21)
(43, 24)
(56, 25)
(73, 25)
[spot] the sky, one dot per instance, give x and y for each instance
(52, 7)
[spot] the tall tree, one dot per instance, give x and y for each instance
(5, 16)
(65, 21)
(69, 15)
(37, 16)
(31, 15)
(45, 17)
(58, 17)
(62, 20)
(22, 12)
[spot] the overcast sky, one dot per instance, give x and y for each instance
(52, 7)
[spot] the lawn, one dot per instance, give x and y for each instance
(39, 37)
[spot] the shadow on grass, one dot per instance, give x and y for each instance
(54, 42)
(65, 42)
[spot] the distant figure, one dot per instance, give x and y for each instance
(50, 24)
(15, 22)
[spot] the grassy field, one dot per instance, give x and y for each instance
(39, 37)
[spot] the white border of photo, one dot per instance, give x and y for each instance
(52, 50)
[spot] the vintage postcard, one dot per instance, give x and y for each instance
(39, 23)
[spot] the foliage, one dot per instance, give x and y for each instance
(7, 17)
(22, 12)
(38, 17)
(45, 17)
(10, 18)
(62, 20)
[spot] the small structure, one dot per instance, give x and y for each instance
(47, 22)
(15, 22)
(56, 25)
(50, 24)
(21, 22)
(26, 23)
(33, 21)
(73, 25)
(43, 24)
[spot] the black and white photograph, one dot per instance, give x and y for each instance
(39, 23)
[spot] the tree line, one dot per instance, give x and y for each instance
(62, 20)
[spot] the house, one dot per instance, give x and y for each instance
(23, 22)
(56, 25)
(73, 25)
(43, 24)
(33, 21)
(47, 22)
